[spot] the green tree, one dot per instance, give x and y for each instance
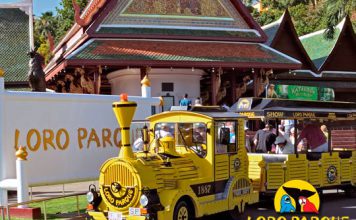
(65, 16)
(336, 10)
(306, 19)
(283, 4)
(44, 32)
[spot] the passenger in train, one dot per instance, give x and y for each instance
(288, 125)
(163, 132)
(324, 129)
(199, 134)
(314, 136)
(301, 147)
(248, 140)
(283, 146)
(264, 139)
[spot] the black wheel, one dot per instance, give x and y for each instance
(182, 211)
(234, 214)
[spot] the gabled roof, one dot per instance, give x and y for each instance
(172, 20)
(123, 18)
(14, 44)
(337, 54)
(182, 19)
(164, 52)
(283, 37)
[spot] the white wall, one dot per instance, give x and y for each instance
(29, 118)
(185, 81)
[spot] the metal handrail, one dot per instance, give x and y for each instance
(2, 208)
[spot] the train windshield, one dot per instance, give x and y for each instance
(191, 135)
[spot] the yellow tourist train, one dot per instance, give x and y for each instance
(194, 163)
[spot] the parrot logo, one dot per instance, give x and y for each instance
(286, 204)
(297, 196)
(307, 206)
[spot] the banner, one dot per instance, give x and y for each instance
(296, 92)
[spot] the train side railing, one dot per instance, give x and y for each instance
(5, 210)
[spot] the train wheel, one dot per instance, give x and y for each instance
(234, 214)
(182, 211)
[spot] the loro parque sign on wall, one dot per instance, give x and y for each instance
(67, 136)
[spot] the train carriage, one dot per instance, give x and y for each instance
(332, 169)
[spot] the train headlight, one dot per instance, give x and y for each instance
(144, 200)
(90, 197)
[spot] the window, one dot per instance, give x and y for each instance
(168, 102)
(193, 136)
(225, 137)
(190, 135)
(167, 87)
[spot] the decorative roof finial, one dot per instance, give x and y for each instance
(2, 72)
(146, 82)
(21, 153)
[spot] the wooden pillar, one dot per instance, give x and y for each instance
(255, 82)
(213, 87)
(97, 80)
(233, 85)
(296, 138)
(329, 137)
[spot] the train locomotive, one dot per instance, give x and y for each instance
(194, 171)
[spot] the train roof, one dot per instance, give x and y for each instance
(296, 109)
(206, 112)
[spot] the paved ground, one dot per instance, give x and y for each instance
(332, 204)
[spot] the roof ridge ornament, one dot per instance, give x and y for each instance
(85, 18)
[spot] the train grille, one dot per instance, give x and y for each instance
(119, 173)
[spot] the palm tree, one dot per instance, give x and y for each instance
(46, 27)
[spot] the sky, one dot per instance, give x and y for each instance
(39, 6)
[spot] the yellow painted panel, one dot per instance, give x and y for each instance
(296, 167)
(353, 168)
(329, 163)
(254, 171)
(345, 170)
(314, 173)
(275, 175)
(221, 167)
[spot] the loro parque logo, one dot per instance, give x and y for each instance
(297, 196)
(298, 200)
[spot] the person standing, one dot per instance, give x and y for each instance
(197, 102)
(288, 125)
(185, 101)
(283, 146)
(264, 139)
(316, 139)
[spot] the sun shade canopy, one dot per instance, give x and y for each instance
(294, 109)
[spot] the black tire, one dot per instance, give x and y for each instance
(182, 211)
(234, 214)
